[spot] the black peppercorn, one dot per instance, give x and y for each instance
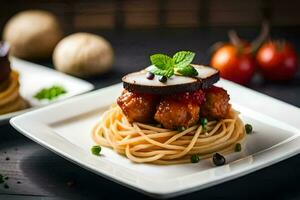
(163, 79)
(218, 159)
(150, 76)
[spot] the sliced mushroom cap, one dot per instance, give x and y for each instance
(137, 81)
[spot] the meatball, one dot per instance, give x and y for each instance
(216, 105)
(197, 97)
(138, 107)
(173, 114)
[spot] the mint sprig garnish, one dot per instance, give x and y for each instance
(168, 72)
(186, 71)
(179, 64)
(183, 58)
(162, 61)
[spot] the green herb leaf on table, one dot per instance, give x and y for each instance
(179, 64)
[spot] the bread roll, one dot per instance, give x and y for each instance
(83, 54)
(32, 34)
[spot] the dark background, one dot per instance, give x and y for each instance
(95, 15)
(137, 29)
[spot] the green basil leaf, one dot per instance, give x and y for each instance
(162, 61)
(183, 58)
(168, 72)
(187, 71)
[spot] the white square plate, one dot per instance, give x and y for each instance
(65, 128)
(33, 77)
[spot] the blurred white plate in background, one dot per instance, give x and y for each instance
(34, 77)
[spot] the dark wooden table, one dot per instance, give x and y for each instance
(36, 173)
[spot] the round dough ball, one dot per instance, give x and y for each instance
(83, 54)
(32, 34)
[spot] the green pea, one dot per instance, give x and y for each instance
(238, 147)
(195, 158)
(181, 128)
(248, 128)
(96, 150)
(203, 122)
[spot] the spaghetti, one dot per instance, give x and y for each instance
(10, 99)
(144, 143)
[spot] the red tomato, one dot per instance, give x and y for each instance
(237, 66)
(277, 60)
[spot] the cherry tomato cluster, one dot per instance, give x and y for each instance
(234, 64)
(238, 60)
(277, 60)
